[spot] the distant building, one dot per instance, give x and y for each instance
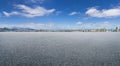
(117, 29)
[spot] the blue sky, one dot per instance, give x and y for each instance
(60, 14)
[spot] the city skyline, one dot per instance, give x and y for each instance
(60, 14)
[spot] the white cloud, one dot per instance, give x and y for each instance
(35, 1)
(73, 13)
(79, 23)
(58, 12)
(94, 12)
(30, 12)
(9, 14)
(29, 25)
(99, 25)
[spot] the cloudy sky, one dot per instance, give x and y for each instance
(60, 14)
